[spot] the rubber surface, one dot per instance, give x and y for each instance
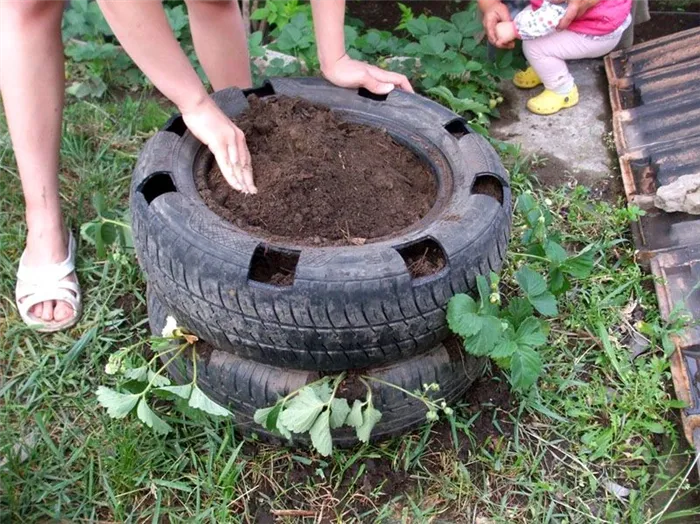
(245, 386)
(349, 307)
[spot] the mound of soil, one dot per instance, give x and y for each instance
(321, 181)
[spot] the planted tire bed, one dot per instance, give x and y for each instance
(340, 306)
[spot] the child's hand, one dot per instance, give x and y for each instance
(214, 129)
(494, 13)
(505, 34)
(346, 72)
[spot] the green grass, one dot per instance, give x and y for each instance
(598, 415)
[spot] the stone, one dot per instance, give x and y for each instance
(682, 195)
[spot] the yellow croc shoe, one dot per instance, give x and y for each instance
(526, 79)
(549, 102)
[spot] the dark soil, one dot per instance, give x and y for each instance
(668, 17)
(376, 480)
(386, 15)
(424, 258)
(667, 23)
(273, 267)
(321, 181)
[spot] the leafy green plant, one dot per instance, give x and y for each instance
(96, 60)
(406, 16)
(316, 409)
(445, 59)
(296, 38)
(511, 335)
(662, 334)
(278, 13)
(144, 381)
(107, 228)
(541, 244)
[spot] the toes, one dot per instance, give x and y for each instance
(63, 311)
(37, 311)
(47, 312)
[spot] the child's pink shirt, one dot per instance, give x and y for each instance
(601, 19)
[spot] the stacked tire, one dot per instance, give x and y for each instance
(352, 308)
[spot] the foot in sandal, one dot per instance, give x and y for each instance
(47, 293)
(549, 102)
(526, 79)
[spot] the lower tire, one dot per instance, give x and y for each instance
(244, 386)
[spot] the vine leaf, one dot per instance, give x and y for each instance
(530, 333)
(484, 341)
(181, 391)
(339, 412)
(354, 419)
(370, 417)
(462, 317)
(153, 421)
(525, 367)
(301, 412)
(199, 400)
(320, 433)
(118, 405)
(535, 288)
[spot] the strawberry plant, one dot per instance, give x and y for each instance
(316, 409)
(143, 381)
(511, 335)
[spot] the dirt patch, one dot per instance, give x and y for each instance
(129, 304)
(665, 23)
(489, 186)
(423, 259)
(273, 267)
(554, 173)
(387, 15)
(321, 181)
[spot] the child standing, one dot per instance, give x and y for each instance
(592, 35)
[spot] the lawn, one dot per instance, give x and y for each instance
(597, 440)
(592, 443)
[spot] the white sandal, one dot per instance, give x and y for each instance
(45, 283)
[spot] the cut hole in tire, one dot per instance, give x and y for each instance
(176, 125)
(488, 185)
(457, 128)
(272, 266)
(157, 184)
(423, 258)
(264, 90)
(365, 93)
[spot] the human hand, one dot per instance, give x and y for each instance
(346, 72)
(495, 13)
(214, 129)
(505, 33)
(575, 9)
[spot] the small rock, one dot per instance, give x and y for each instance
(683, 195)
(616, 489)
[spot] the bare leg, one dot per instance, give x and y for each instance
(32, 85)
(220, 42)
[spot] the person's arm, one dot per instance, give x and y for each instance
(336, 65)
(494, 12)
(143, 31)
(531, 24)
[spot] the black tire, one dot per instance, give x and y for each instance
(245, 386)
(349, 307)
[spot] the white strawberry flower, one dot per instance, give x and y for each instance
(170, 327)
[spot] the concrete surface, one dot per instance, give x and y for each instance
(574, 141)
